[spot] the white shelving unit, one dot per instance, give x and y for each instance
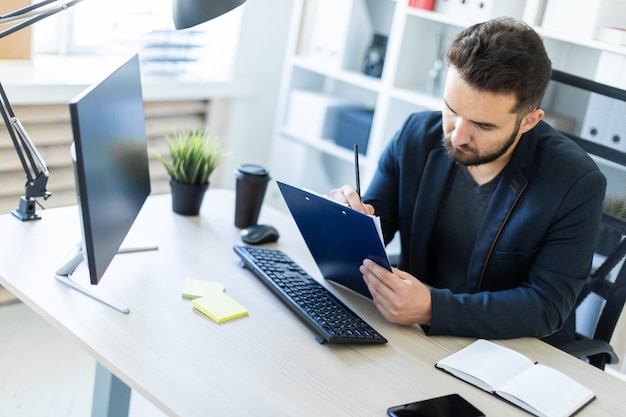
(415, 41)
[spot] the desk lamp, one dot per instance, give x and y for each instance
(186, 13)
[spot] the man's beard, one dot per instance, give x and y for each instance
(471, 157)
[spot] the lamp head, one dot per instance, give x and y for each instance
(188, 13)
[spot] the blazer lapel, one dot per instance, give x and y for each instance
(431, 189)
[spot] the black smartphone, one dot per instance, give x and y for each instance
(452, 405)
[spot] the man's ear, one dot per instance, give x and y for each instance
(530, 120)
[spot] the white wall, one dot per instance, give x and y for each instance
(261, 53)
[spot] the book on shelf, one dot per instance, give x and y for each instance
(613, 35)
(422, 4)
(536, 388)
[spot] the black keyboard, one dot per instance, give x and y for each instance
(325, 313)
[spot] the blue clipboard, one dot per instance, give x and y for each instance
(338, 237)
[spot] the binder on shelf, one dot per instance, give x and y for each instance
(312, 115)
(604, 122)
(306, 27)
(353, 128)
(473, 12)
(340, 34)
(583, 18)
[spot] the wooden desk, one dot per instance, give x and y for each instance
(265, 364)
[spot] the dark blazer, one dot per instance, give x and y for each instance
(536, 243)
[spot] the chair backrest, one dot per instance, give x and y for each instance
(604, 295)
(594, 116)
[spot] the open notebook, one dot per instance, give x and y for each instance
(338, 237)
(536, 388)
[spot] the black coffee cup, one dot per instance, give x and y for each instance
(250, 191)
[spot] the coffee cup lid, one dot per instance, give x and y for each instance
(253, 170)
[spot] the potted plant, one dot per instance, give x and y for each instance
(193, 156)
(610, 238)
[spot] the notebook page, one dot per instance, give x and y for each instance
(546, 392)
(485, 364)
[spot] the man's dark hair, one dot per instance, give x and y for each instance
(503, 56)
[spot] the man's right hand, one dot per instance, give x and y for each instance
(348, 195)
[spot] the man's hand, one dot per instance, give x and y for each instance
(400, 297)
(348, 195)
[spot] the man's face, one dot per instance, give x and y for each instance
(479, 128)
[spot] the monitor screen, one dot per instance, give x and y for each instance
(111, 162)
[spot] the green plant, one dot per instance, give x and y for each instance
(193, 156)
(615, 205)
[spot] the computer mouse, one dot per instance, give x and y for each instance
(259, 234)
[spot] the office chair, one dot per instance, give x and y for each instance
(600, 304)
(594, 120)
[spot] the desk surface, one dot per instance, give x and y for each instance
(265, 364)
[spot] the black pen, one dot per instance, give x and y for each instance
(356, 169)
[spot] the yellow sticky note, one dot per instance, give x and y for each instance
(219, 307)
(196, 288)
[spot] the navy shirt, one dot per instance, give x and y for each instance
(462, 211)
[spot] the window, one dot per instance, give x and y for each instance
(111, 27)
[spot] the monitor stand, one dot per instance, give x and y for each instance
(64, 275)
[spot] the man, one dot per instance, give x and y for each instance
(497, 212)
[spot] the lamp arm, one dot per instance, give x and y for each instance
(30, 14)
(25, 11)
(32, 162)
(37, 184)
(34, 166)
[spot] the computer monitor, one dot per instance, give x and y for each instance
(110, 166)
